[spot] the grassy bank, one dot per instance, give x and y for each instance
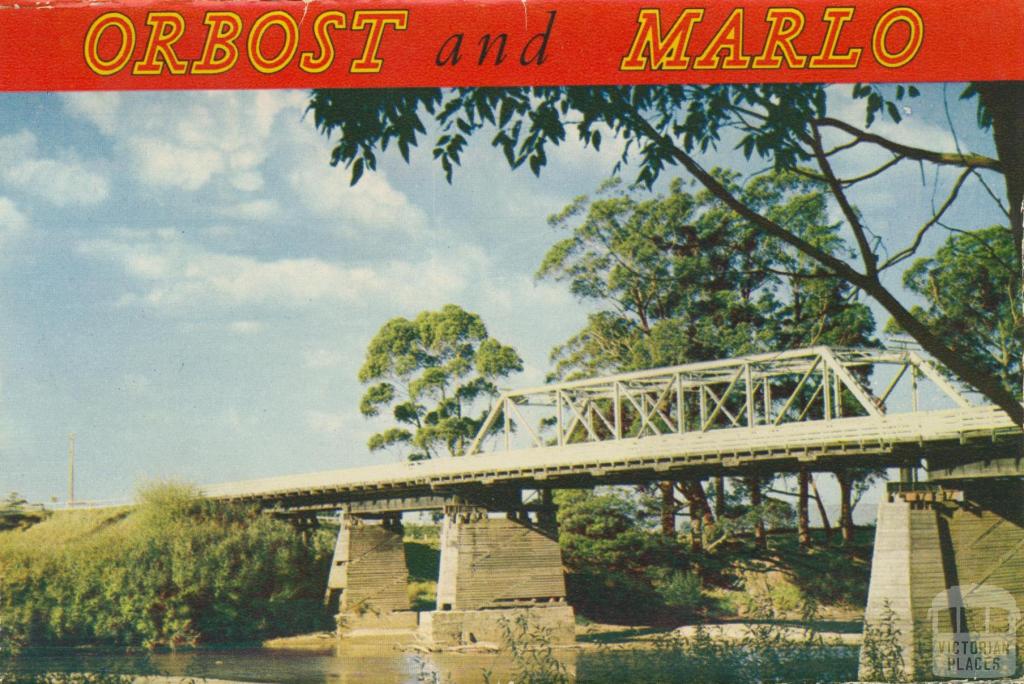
(173, 571)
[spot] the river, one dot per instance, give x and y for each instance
(343, 665)
(392, 659)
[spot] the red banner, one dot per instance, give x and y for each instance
(389, 43)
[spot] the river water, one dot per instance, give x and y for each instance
(384, 662)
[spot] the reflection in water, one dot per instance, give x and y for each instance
(384, 660)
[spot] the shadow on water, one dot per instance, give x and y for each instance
(389, 663)
(383, 661)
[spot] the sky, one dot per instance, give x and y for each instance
(188, 286)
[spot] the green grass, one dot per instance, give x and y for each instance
(422, 595)
(174, 571)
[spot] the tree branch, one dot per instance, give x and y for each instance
(835, 185)
(871, 174)
(912, 247)
(981, 380)
(971, 160)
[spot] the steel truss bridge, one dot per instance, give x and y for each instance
(820, 408)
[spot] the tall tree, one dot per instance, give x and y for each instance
(788, 125)
(430, 372)
(681, 278)
(973, 298)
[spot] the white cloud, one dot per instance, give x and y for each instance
(374, 203)
(61, 181)
(100, 109)
(322, 358)
(320, 421)
(189, 140)
(245, 327)
(175, 273)
(255, 210)
(247, 181)
(164, 164)
(12, 222)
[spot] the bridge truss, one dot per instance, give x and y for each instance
(803, 385)
(815, 407)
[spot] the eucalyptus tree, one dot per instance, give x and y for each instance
(789, 126)
(973, 297)
(431, 373)
(681, 277)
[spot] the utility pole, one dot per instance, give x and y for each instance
(71, 468)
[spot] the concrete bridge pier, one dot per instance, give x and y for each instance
(369, 573)
(495, 570)
(947, 581)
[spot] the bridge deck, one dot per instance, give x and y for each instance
(892, 440)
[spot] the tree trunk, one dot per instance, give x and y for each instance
(803, 515)
(1005, 102)
(705, 505)
(696, 526)
(821, 509)
(760, 535)
(719, 497)
(668, 509)
(845, 510)
(700, 511)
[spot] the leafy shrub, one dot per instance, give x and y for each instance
(422, 595)
(682, 591)
(175, 571)
(528, 645)
(882, 650)
(611, 596)
(614, 560)
(762, 655)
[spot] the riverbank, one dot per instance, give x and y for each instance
(595, 636)
(603, 653)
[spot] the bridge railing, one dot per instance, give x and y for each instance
(813, 384)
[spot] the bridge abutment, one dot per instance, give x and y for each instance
(947, 581)
(494, 572)
(369, 572)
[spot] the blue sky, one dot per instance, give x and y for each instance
(187, 285)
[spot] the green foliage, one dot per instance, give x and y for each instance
(667, 125)
(422, 595)
(973, 292)
(528, 645)
(682, 591)
(431, 372)
(763, 654)
(882, 651)
(422, 533)
(423, 561)
(524, 123)
(681, 277)
(618, 568)
(16, 512)
(175, 571)
(604, 530)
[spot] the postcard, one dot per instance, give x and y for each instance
(560, 341)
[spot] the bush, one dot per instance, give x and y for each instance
(175, 571)
(422, 595)
(762, 655)
(620, 569)
(682, 591)
(612, 596)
